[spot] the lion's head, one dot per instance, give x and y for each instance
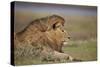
(56, 32)
(48, 30)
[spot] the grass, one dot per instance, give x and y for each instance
(86, 50)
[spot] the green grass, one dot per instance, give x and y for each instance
(86, 50)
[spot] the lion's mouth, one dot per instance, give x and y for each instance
(65, 42)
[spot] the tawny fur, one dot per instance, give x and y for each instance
(44, 31)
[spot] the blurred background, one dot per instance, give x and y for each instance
(81, 24)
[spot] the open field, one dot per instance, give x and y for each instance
(84, 50)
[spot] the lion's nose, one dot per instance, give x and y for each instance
(68, 37)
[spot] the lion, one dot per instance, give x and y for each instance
(49, 33)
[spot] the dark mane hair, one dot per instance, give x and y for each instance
(41, 22)
(56, 16)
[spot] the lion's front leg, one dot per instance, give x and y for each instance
(63, 56)
(55, 56)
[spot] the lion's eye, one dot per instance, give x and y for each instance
(62, 30)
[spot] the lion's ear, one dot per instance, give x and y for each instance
(51, 23)
(56, 25)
